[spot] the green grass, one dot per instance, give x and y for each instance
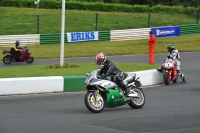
(44, 70)
(87, 49)
(24, 20)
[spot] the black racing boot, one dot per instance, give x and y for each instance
(183, 80)
(126, 93)
(123, 86)
(14, 58)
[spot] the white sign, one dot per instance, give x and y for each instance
(82, 36)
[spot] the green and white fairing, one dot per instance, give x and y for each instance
(104, 92)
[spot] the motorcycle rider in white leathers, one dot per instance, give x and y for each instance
(174, 54)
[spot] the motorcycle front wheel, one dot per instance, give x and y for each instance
(7, 59)
(165, 78)
(139, 101)
(94, 103)
(29, 60)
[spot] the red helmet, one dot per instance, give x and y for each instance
(100, 59)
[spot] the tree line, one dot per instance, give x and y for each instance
(185, 3)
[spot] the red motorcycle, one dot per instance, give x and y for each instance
(170, 73)
(25, 56)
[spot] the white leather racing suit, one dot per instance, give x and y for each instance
(174, 54)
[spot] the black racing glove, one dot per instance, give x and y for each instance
(99, 76)
(104, 76)
(169, 57)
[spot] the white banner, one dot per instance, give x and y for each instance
(82, 36)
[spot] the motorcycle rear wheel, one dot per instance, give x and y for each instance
(29, 60)
(93, 105)
(7, 59)
(137, 102)
(165, 78)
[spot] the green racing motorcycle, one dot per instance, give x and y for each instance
(106, 93)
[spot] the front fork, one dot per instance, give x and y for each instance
(169, 73)
(96, 93)
(175, 74)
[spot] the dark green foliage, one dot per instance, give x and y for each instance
(185, 3)
(103, 5)
(17, 3)
(98, 5)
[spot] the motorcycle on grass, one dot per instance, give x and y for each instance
(105, 93)
(25, 56)
(170, 73)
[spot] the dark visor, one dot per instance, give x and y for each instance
(99, 62)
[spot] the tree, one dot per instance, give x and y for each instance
(107, 1)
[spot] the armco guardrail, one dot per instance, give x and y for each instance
(65, 83)
(113, 35)
(190, 29)
(31, 39)
(56, 37)
(129, 34)
(51, 38)
(36, 39)
(149, 77)
(104, 35)
(74, 83)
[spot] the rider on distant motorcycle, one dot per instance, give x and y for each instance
(110, 68)
(15, 50)
(174, 54)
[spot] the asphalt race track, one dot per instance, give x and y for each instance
(169, 109)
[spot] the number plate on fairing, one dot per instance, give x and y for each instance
(168, 65)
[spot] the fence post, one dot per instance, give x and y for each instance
(149, 16)
(38, 24)
(38, 16)
(96, 25)
(198, 16)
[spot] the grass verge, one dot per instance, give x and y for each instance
(24, 20)
(82, 69)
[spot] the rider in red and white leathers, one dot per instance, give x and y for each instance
(174, 54)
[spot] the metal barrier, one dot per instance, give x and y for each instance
(189, 29)
(104, 35)
(56, 37)
(31, 39)
(51, 38)
(129, 34)
(113, 35)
